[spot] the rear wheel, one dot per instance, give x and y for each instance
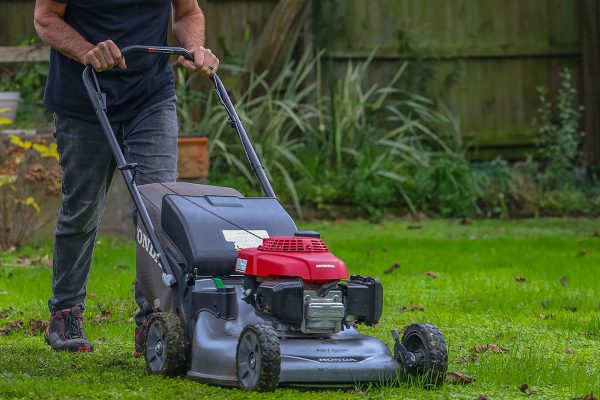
(165, 345)
(423, 354)
(258, 358)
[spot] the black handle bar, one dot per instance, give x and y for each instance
(179, 51)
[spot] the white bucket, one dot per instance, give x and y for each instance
(9, 100)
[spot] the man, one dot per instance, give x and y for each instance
(141, 108)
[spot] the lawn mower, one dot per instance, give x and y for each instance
(243, 298)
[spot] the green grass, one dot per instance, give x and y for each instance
(475, 300)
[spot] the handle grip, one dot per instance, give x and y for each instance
(180, 51)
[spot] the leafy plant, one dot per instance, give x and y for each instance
(277, 115)
(353, 145)
(24, 175)
(188, 102)
(559, 136)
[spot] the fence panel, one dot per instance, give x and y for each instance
(484, 58)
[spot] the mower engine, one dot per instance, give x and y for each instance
(296, 283)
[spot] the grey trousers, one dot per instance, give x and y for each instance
(150, 140)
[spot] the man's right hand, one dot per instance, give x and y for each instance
(104, 56)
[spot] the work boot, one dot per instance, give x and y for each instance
(141, 332)
(65, 331)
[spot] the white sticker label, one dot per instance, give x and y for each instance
(245, 239)
(240, 265)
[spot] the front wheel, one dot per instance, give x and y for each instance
(423, 354)
(165, 345)
(258, 358)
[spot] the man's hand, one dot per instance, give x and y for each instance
(104, 56)
(205, 62)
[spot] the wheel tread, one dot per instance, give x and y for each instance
(176, 346)
(270, 360)
(437, 362)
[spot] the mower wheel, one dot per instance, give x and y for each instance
(258, 358)
(429, 354)
(165, 345)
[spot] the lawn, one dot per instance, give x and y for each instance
(530, 287)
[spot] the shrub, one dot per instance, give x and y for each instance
(24, 177)
(559, 137)
(354, 145)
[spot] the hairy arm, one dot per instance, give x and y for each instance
(188, 27)
(50, 25)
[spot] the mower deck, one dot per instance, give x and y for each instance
(342, 359)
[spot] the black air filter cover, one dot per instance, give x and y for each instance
(206, 230)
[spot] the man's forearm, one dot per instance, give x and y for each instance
(189, 29)
(57, 33)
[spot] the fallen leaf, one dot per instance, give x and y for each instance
(458, 378)
(494, 348)
(23, 261)
(38, 326)
(103, 316)
(432, 274)
(520, 278)
(571, 308)
(100, 340)
(356, 390)
(92, 294)
(587, 396)
(481, 397)
(6, 312)
(11, 326)
(569, 350)
(47, 261)
(544, 316)
(470, 358)
(391, 269)
(564, 281)
(412, 308)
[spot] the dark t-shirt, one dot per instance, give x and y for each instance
(148, 79)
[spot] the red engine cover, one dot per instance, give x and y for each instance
(303, 257)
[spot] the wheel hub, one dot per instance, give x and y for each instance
(159, 348)
(252, 360)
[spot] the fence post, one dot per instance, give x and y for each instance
(590, 37)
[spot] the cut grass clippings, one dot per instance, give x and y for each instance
(537, 337)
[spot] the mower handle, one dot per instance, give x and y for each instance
(179, 51)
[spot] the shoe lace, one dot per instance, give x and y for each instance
(73, 327)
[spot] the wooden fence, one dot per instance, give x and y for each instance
(483, 58)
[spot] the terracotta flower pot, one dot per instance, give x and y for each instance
(193, 157)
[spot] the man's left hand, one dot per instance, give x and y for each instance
(205, 62)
